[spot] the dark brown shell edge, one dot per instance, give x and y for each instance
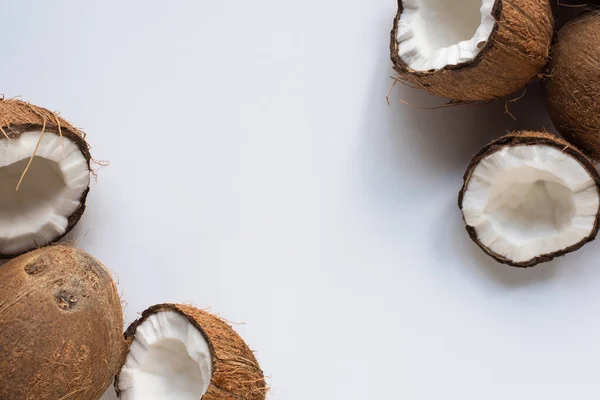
(224, 384)
(460, 78)
(18, 117)
(531, 138)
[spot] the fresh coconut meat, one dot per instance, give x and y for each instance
(433, 34)
(169, 358)
(471, 50)
(181, 352)
(573, 83)
(44, 177)
(529, 197)
(61, 326)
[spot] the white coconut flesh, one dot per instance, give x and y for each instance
(530, 200)
(433, 34)
(169, 358)
(50, 192)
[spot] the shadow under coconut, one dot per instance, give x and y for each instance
(109, 395)
(454, 243)
(433, 144)
(564, 12)
(448, 137)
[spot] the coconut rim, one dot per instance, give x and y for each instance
(529, 139)
(155, 309)
(58, 126)
(402, 67)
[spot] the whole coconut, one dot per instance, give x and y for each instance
(573, 85)
(60, 326)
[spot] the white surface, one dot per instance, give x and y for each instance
(169, 358)
(49, 193)
(301, 203)
(435, 33)
(527, 201)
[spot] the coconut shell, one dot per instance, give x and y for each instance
(530, 138)
(573, 85)
(515, 52)
(236, 373)
(18, 117)
(60, 326)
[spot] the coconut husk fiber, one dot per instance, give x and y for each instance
(236, 373)
(61, 326)
(530, 138)
(515, 52)
(573, 85)
(18, 117)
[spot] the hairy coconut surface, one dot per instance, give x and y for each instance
(471, 50)
(60, 326)
(179, 351)
(529, 197)
(573, 85)
(44, 177)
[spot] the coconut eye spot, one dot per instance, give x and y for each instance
(65, 300)
(168, 359)
(49, 193)
(529, 201)
(433, 34)
(36, 267)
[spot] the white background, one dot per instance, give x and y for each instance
(256, 169)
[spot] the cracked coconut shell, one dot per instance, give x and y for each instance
(546, 168)
(573, 85)
(60, 326)
(27, 199)
(235, 370)
(514, 53)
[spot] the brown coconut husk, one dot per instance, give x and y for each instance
(18, 117)
(60, 326)
(573, 85)
(236, 373)
(515, 52)
(530, 138)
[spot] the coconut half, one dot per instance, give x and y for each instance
(41, 197)
(471, 50)
(529, 197)
(181, 352)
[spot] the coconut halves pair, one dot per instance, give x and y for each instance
(529, 197)
(61, 338)
(472, 50)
